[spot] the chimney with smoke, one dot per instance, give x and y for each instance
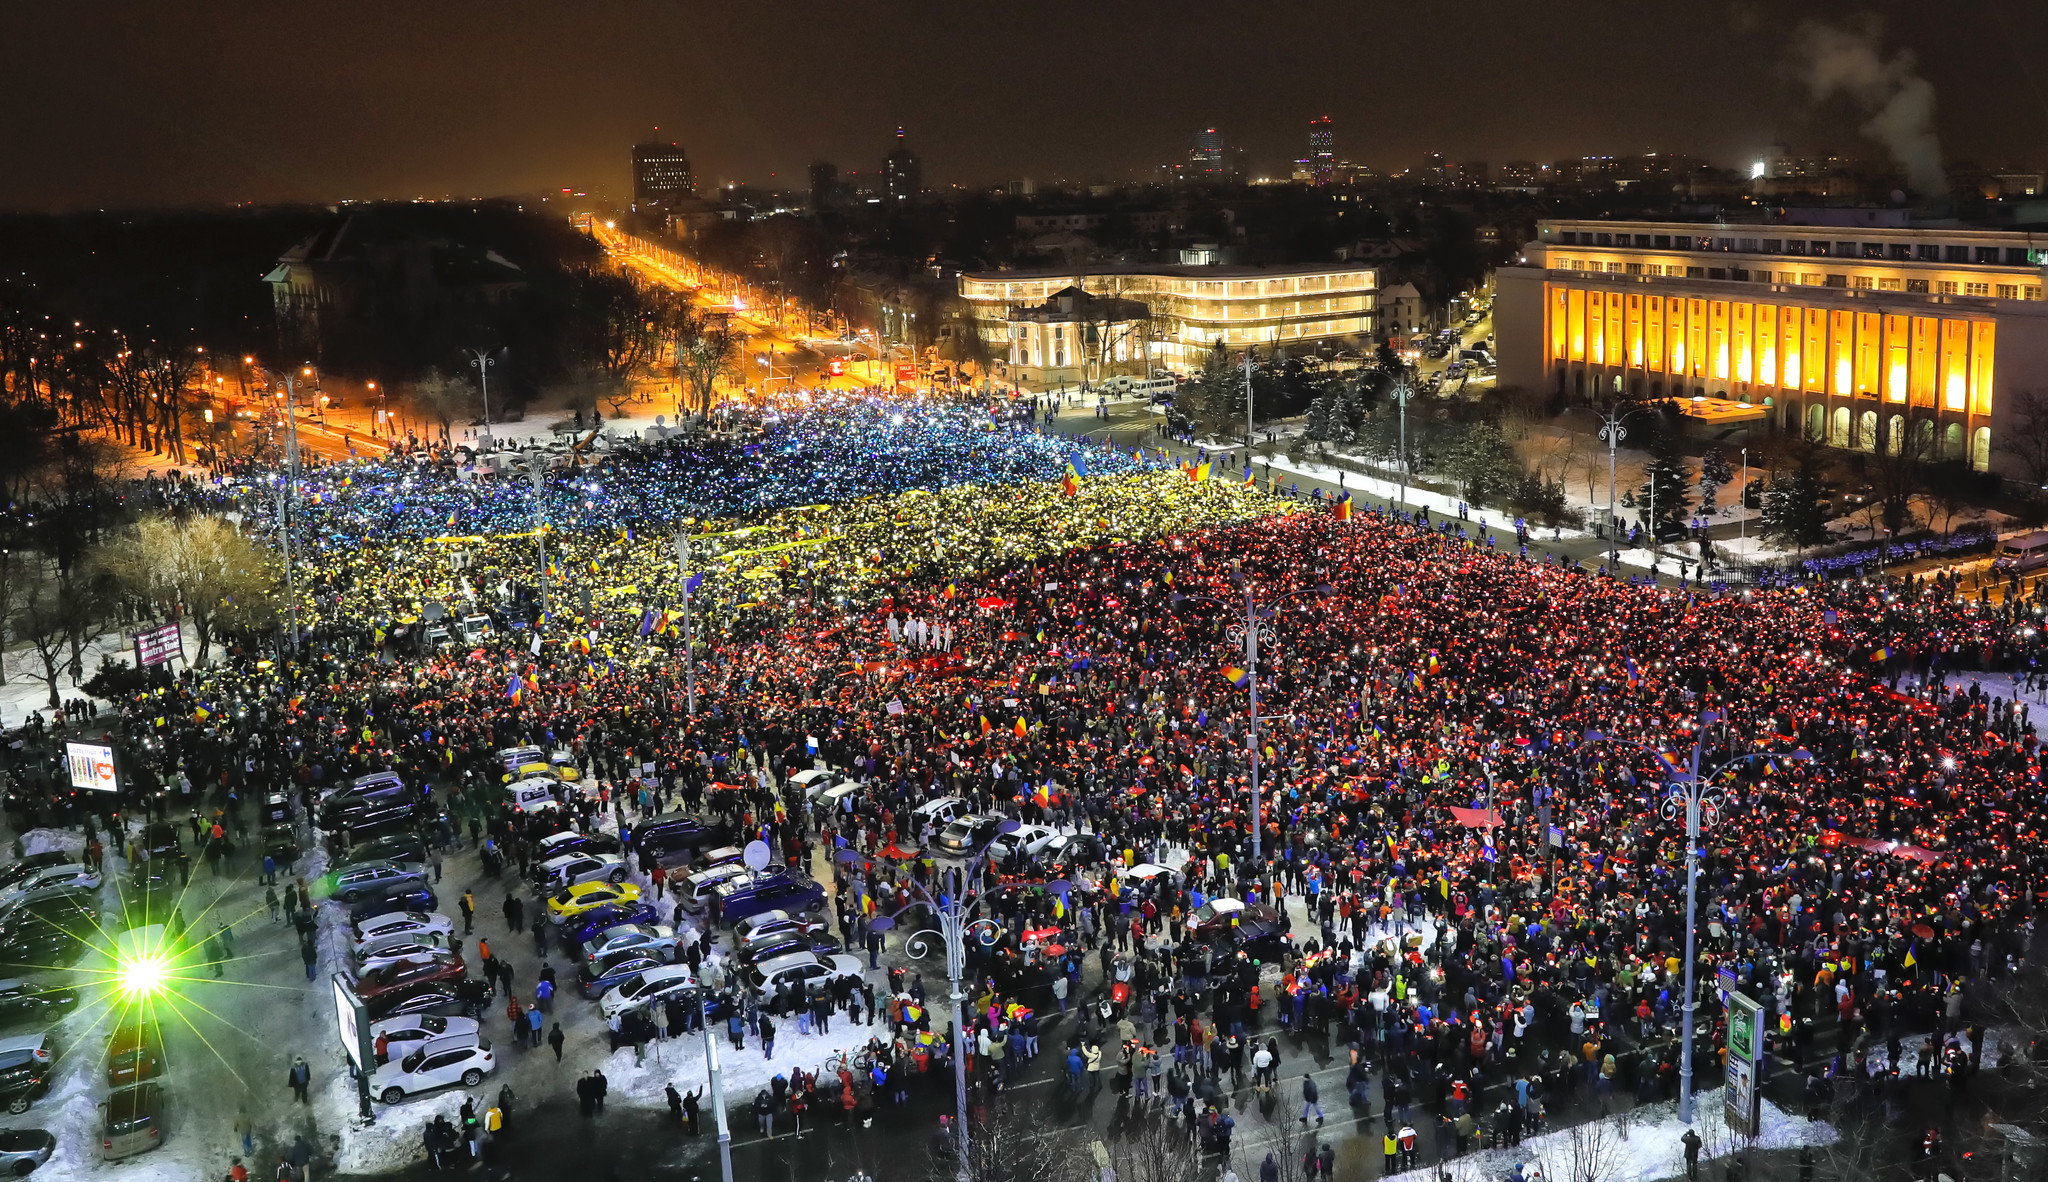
(1900, 103)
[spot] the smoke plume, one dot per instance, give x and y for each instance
(1835, 60)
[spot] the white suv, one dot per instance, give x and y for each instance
(440, 1062)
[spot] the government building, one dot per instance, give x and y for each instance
(1051, 325)
(1870, 334)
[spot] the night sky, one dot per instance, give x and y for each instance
(175, 102)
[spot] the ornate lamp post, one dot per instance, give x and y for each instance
(957, 919)
(1699, 801)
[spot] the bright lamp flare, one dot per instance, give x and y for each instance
(143, 976)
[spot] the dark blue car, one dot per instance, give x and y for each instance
(611, 915)
(598, 979)
(418, 899)
(778, 891)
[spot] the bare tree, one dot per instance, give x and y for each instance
(199, 568)
(41, 618)
(438, 398)
(1007, 1144)
(2025, 437)
(1589, 1152)
(706, 349)
(1153, 1151)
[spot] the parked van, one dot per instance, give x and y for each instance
(2022, 554)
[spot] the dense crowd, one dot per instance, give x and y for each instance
(1068, 659)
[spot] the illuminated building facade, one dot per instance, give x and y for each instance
(661, 174)
(1322, 150)
(1190, 307)
(1859, 336)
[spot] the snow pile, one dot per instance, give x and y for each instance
(741, 1073)
(44, 841)
(1641, 1146)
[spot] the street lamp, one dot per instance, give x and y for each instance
(536, 471)
(957, 920)
(286, 492)
(1401, 393)
(689, 641)
(1699, 800)
(1257, 626)
(1612, 432)
(483, 360)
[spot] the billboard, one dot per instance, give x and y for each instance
(348, 1016)
(1745, 1062)
(906, 371)
(92, 767)
(159, 645)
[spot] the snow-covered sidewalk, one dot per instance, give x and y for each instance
(1640, 1146)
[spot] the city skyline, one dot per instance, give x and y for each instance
(401, 102)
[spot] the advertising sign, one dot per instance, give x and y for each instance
(906, 371)
(348, 1017)
(155, 646)
(1745, 1062)
(92, 767)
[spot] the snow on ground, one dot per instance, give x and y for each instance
(25, 692)
(1641, 1146)
(742, 1072)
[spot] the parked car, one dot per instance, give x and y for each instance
(768, 891)
(1010, 849)
(443, 966)
(438, 1063)
(397, 847)
(677, 831)
(698, 886)
(768, 923)
(407, 1032)
(654, 939)
(396, 949)
(14, 873)
(62, 875)
(600, 976)
(135, 1052)
(596, 921)
(570, 869)
(349, 811)
(402, 898)
(1072, 849)
(436, 928)
(776, 945)
(442, 997)
(22, 1150)
(25, 1063)
(46, 933)
(652, 985)
(363, 880)
(533, 795)
(131, 1121)
(807, 972)
(571, 842)
(1257, 930)
(32, 1001)
(570, 902)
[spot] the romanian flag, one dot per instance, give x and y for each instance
(1344, 507)
(1043, 795)
(451, 520)
(951, 591)
(1881, 654)
(1040, 637)
(554, 572)
(627, 536)
(1249, 479)
(515, 691)
(580, 644)
(1910, 961)
(1630, 666)
(1069, 485)
(647, 621)
(1077, 463)
(532, 682)
(1433, 666)
(1138, 454)
(1236, 676)
(1200, 473)
(593, 566)
(1022, 730)
(985, 728)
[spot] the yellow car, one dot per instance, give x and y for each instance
(570, 902)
